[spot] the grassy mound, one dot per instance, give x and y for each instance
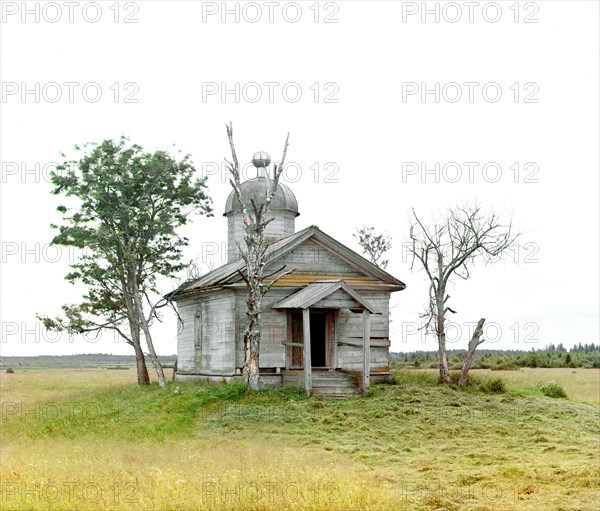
(413, 445)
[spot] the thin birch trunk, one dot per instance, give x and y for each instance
(473, 343)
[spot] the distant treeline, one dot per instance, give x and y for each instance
(88, 360)
(581, 355)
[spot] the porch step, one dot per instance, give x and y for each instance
(327, 384)
(324, 384)
(335, 392)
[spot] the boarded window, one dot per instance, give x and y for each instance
(198, 334)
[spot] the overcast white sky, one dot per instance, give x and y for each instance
(346, 80)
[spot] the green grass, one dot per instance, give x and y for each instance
(413, 445)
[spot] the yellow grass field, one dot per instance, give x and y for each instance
(91, 439)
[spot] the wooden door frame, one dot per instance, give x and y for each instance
(330, 337)
(290, 339)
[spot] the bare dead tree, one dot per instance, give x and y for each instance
(473, 343)
(374, 245)
(256, 218)
(449, 246)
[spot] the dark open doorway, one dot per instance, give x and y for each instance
(321, 339)
(318, 339)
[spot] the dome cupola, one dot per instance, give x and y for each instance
(283, 210)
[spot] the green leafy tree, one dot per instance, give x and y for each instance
(374, 245)
(129, 205)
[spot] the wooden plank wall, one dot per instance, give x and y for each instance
(350, 328)
(337, 300)
(206, 343)
(185, 336)
(282, 225)
(274, 323)
(311, 258)
(222, 347)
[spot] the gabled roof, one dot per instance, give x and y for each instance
(319, 290)
(229, 273)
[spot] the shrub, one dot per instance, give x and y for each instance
(482, 384)
(10, 370)
(454, 376)
(493, 386)
(552, 389)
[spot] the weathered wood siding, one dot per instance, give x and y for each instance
(348, 331)
(349, 327)
(274, 328)
(206, 341)
(337, 300)
(310, 257)
(220, 317)
(282, 225)
(185, 335)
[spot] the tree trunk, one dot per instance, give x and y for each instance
(473, 343)
(444, 372)
(142, 370)
(441, 335)
(251, 372)
(142, 319)
(155, 360)
(252, 335)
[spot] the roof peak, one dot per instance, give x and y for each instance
(222, 275)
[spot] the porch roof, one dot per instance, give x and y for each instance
(317, 291)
